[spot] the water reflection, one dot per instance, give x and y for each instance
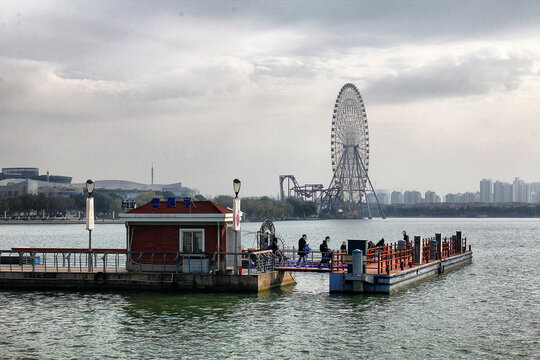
(186, 306)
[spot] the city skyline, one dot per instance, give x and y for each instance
(507, 189)
(212, 91)
(489, 192)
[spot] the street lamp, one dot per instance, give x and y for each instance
(90, 185)
(236, 186)
(236, 220)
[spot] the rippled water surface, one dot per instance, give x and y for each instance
(489, 309)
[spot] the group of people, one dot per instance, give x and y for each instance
(326, 252)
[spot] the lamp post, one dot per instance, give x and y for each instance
(236, 220)
(90, 219)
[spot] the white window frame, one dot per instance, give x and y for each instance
(182, 231)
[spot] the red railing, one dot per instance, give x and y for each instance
(390, 257)
(395, 256)
(337, 262)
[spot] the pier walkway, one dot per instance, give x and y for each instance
(121, 270)
(387, 259)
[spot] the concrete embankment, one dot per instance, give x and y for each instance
(132, 281)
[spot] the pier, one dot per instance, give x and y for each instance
(384, 269)
(120, 270)
(390, 268)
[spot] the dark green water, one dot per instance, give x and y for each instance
(490, 309)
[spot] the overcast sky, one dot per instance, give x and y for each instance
(210, 91)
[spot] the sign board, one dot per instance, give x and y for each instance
(171, 202)
(236, 214)
(187, 202)
(90, 214)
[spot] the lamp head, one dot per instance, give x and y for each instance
(90, 187)
(236, 186)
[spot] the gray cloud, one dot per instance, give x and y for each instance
(474, 74)
(193, 75)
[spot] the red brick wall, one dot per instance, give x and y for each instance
(166, 238)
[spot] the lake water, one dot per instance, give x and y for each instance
(489, 309)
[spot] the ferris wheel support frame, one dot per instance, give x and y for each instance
(372, 189)
(335, 192)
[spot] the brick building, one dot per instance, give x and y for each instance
(187, 236)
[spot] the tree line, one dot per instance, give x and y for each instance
(105, 204)
(266, 208)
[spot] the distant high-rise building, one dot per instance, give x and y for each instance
(502, 192)
(520, 193)
(432, 198)
(535, 192)
(396, 197)
(486, 195)
(468, 197)
(382, 196)
(412, 197)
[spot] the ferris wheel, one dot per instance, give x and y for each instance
(350, 155)
(349, 126)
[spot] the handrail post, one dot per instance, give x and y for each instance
(176, 262)
(438, 239)
(164, 262)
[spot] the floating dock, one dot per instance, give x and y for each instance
(390, 268)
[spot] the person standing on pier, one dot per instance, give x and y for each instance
(302, 249)
(405, 237)
(274, 246)
(325, 251)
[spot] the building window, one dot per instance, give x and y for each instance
(192, 240)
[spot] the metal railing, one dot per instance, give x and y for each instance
(259, 261)
(315, 259)
(62, 260)
(120, 260)
(395, 256)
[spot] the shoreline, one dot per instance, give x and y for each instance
(120, 221)
(57, 222)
